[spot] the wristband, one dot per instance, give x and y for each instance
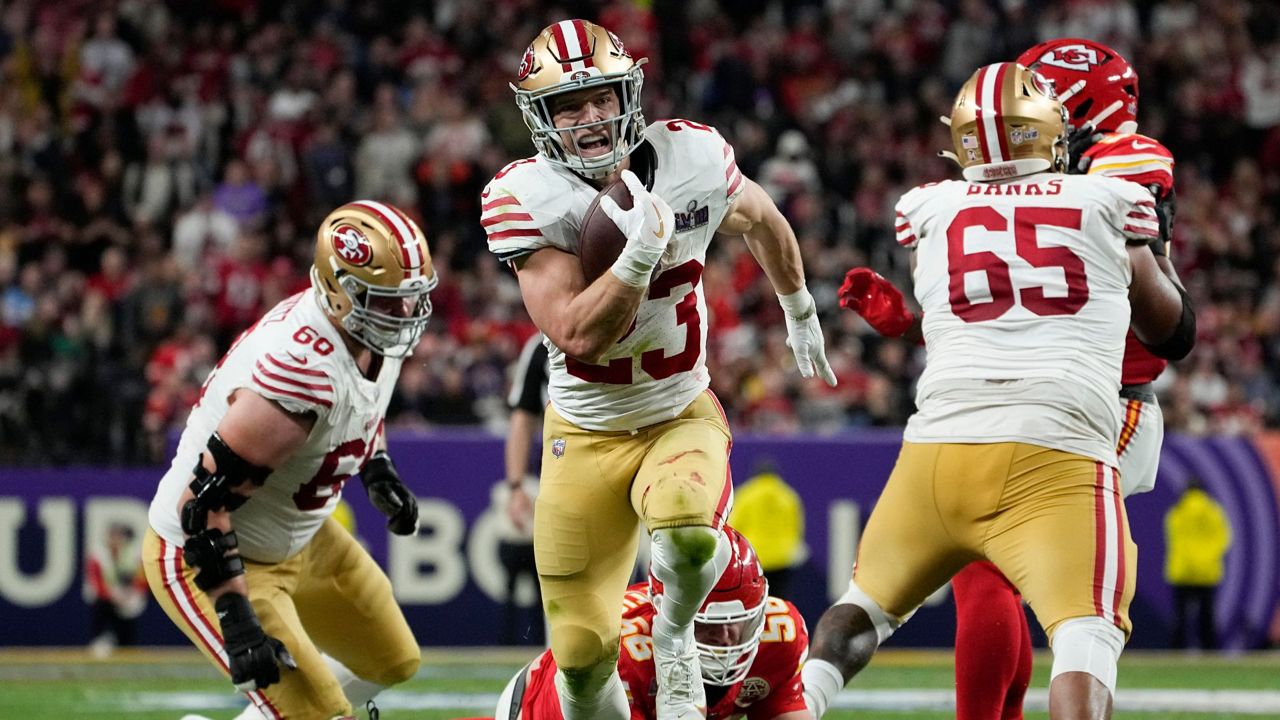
(798, 305)
(635, 264)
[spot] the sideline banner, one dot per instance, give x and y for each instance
(451, 584)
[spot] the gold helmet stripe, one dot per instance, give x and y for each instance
(990, 113)
(575, 47)
(410, 253)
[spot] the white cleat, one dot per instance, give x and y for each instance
(680, 692)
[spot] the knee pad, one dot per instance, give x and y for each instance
(885, 623)
(1089, 645)
(580, 649)
(676, 499)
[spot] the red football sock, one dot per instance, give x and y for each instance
(993, 645)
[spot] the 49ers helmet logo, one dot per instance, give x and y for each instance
(351, 245)
(526, 64)
(1073, 57)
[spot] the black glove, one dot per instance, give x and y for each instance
(1166, 208)
(389, 495)
(1079, 140)
(255, 657)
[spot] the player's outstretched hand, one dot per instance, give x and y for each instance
(254, 657)
(650, 221)
(804, 335)
(389, 494)
(877, 300)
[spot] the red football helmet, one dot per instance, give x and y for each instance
(1094, 82)
(727, 628)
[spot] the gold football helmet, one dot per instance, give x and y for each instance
(571, 55)
(373, 274)
(1007, 122)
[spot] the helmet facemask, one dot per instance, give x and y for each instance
(625, 130)
(726, 663)
(386, 333)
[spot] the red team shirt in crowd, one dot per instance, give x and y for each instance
(771, 688)
(1143, 160)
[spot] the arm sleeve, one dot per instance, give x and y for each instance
(294, 382)
(529, 382)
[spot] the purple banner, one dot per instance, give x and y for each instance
(451, 584)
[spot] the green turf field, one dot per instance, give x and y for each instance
(900, 684)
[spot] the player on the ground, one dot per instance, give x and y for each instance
(750, 644)
(1025, 277)
(1100, 92)
(633, 436)
(242, 552)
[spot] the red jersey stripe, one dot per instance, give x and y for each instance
(295, 369)
(508, 200)
(290, 393)
(518, 232)
(291, 381)
(505, 217)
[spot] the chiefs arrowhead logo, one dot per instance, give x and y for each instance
(351, 245)
(526, 64)
(1072, 57)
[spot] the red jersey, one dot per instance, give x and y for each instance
(1143, 160)
(772, 686)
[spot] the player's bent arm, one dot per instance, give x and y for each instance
(584, 321)
(769, 237)
(1162, 315)
(241, 432)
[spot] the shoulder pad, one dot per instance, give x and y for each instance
(523, 209)
(1133, 157)
(299, 379)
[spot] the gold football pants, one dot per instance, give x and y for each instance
(596, 490)
(331, 597)
(1053, 522)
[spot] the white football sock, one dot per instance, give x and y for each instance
(609, 703)
(822, 682)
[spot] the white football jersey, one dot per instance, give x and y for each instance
(295, 357)
(659, 366)
(1024, 286)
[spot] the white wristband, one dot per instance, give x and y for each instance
(799, 304)
(635, 264)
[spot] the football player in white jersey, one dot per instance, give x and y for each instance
(1026, 277)
(632, 436)
(242, 552)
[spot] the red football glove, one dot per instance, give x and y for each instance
(869, 294)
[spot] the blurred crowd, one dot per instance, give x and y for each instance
(164, 166)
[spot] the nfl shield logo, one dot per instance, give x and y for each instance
(557, 447)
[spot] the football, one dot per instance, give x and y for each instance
(599, 240)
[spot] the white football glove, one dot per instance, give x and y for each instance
(804, 335)
(648, 227)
